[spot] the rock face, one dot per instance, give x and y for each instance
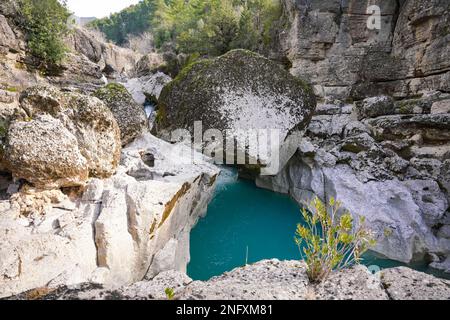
(330, 44)
(114, 233)
(387, 167)
(266, 280)
(111, 59)
(129, 115)
(237, 91)
(58, 139)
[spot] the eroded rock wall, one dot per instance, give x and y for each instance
(329, 43)
(392, 169)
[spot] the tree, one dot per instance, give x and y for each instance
(45, 22)
(133, 20)
(213, 27)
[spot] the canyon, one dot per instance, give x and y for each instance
(103, 206)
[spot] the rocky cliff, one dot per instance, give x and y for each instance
(380, 137)
(328, 42)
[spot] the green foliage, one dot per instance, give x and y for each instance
(46, 24)
(170, 293)
(213, 27)
(329, 240)
(133, 20)
(206, 27)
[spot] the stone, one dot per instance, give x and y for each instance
(441, 265)
(384, 204)
(406, 284)
(358, 143)
(118, 61)
(414, 106)
(356, 283)
(433, 127)
(87, 118)
(7, 96)
(430, 199)
(329, 43)
(154, 84)
(130, 116)
(266, 280)
(237, 91)
(444, 232)
(427, 166)
(441, 107)
(81, 41)
(375, 107)
(53, 162)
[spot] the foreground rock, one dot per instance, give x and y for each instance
(120, 230)
(266, 280)
(129, 115)
(406, 284)
(53, 162)
(234, 93)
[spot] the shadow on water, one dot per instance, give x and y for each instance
(243, 218)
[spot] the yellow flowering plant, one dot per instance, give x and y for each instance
(329, 239)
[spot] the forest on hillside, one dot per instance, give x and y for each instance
(204, 27)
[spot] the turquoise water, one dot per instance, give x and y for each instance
(245, 224)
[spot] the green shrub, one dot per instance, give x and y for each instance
(329, 240)
(170, 293)
(45, 22)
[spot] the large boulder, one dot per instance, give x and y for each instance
(62, 139)
(375, 107)
(407, 284)
(238, 91)
(45, 153)
(129, 115)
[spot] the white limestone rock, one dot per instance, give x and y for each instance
(111, 233)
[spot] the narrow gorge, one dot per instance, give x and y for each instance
(109, 189)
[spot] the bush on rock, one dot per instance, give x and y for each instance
(330, 240)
